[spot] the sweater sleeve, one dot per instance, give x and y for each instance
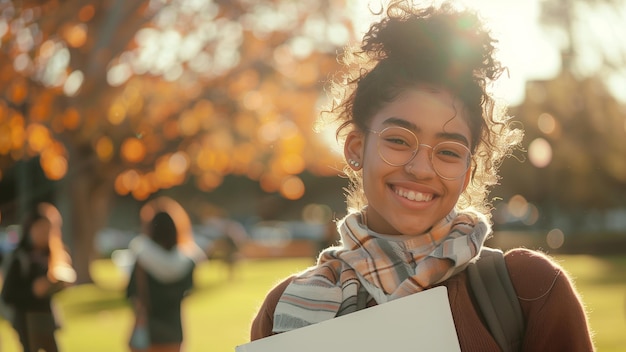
(263, 323)
(165, 266)
(554, 313)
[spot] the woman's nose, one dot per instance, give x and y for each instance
(421, 165)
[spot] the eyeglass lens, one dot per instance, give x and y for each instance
(397, 146)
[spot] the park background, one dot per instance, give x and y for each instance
(107, 104)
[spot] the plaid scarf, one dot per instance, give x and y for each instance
(383, 267)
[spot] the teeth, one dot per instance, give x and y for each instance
(414, 196)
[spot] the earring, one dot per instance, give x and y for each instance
(354, 163)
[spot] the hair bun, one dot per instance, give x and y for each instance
(452, 43)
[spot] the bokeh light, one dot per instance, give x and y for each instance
(17, 91)
(75, 34)
(73, 83)
(71, 119)
(86, 13)
(130, 179)
(518, 206)
(292, 188)
(540, 153)
(515, 210)
(316, 213)
(546, 123)
(104, 148)
(555, 238)
(142, 190)
(179, 163)
(54, 166)
(208, 181)
(133, 150)
(5, 139)
(292, 164)
(532, 215)
(38, 137)
(117, 113)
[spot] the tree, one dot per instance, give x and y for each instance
(589, 34)
(584, 101)
(576, 121)
(138, 96)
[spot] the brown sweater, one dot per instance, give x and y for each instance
(554, 316)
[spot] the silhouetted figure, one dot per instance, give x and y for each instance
(229, 236)
(39, 267)
(162, 275)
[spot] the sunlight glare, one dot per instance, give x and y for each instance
(522, 46)
(617, 86)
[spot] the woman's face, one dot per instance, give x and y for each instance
(410, 199)
(40, 233)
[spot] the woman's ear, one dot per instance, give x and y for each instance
(353, 149)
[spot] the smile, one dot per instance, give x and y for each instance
(413, 195)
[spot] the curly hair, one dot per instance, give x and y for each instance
(440, 46)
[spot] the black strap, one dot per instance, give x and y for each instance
(497, 299)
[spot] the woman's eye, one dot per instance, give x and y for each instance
(397, 141)
(449, 153)
(452, 152)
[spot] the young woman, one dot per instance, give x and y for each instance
(423, 140)
(163, 274)
(39, 268)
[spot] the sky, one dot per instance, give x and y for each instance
(523, 48)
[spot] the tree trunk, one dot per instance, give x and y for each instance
(90, 193)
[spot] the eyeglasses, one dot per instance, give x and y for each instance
(397, 146)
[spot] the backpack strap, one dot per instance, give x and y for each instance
(497, 299)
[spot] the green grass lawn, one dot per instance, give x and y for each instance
(218, 313)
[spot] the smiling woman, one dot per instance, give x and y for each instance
(422, 139)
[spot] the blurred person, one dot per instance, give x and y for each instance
(166, 256)
(39, 267)
(422, 140)
(230, 237)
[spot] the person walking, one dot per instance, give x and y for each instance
(162, 276)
